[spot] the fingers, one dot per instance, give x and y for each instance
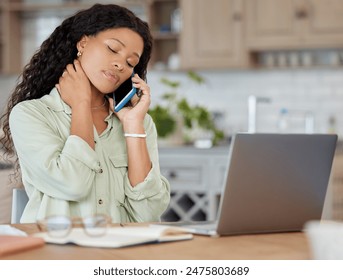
(65, 72)
(111, 102)
(140, 101)
(71, 69)
(135, 99)
(139, 93)
(141, 85)
(58, 87)
(77, 66)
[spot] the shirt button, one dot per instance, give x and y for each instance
(100, 201)
(101, 171)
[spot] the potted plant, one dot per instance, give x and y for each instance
(178, 115)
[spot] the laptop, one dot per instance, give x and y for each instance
(274, 183)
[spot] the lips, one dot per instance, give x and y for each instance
(110, 75)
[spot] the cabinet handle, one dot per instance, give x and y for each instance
(172, 174)
(301, 14)
(237, 16)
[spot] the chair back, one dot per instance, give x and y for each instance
(19, 201)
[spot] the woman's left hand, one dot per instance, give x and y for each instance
(140, 105)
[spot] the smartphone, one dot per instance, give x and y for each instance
(126, 98)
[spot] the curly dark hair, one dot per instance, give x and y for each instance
(42, 73)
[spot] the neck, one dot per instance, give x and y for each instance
(101, 105)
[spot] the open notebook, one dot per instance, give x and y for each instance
(117, 237)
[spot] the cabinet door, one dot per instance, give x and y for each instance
(274, 23)
(325, 23)
(280, 24)
(10, 48)
(211, 34)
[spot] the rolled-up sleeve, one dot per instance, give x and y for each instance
(148, 200)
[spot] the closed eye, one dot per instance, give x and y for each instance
(112, 50)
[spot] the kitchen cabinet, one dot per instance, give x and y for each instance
(10, 33)
(157, 13)
(11, 29)
(196, 34)
(294, 24)
(212, 34)
(165, 29)
(196, 177)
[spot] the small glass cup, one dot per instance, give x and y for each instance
(61, 226)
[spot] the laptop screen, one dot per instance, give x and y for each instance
(275, 182)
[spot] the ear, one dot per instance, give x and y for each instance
(82, 43)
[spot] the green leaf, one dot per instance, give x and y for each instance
(218, 135)
(184, 106)
(195, 77)
(169, 96)
(192, 115)
(170, 83)
(164, 121)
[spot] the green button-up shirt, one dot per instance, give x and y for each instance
(63, 175)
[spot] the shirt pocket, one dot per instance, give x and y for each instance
(119, 161)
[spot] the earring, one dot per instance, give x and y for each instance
(79, 54)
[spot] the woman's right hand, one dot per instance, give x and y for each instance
(74, 86)
(75, 90)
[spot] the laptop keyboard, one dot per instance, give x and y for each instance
(205, 226)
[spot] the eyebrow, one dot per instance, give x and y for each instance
(120, 42)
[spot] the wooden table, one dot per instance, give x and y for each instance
(280, 246)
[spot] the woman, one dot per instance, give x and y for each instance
(77, 156)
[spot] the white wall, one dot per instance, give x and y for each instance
(317, 90)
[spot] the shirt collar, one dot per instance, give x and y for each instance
(54, 101)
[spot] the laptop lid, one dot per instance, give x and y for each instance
(275, 182)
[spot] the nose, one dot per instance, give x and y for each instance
(119, 66)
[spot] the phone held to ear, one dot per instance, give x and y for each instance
(127, 97)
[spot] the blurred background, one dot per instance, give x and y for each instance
(252, 65)
(288, 54)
